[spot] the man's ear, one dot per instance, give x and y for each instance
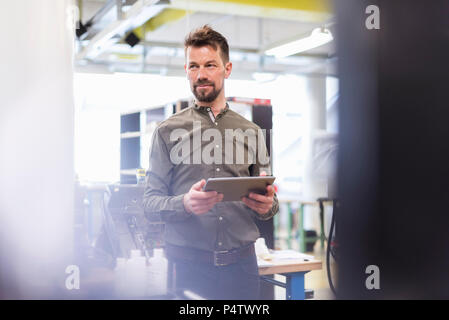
(185, 67)
(228, 69)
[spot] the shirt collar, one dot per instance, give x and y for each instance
(204, 109)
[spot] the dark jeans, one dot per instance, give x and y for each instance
(239, 281)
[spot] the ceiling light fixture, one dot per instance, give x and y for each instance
(318, 37)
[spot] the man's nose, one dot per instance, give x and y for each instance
(201, 75)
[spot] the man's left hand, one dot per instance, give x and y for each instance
(260, 203)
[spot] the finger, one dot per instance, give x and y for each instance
(215, 200)
(259, 209)
(261, 198)
(263, 206)
(270, 191)
(199, 185)
(203, 194)
(263, 173)
(252, 204)
(203, 209)
(220, 197)
(208, 202)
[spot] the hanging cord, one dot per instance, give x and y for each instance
(329, 250)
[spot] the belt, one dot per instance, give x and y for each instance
(216, 258)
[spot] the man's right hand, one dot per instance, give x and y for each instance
(198, 201)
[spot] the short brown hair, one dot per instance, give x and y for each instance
(206, 36)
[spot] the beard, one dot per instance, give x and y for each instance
(202, 96)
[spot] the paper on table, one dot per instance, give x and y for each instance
(289, 254)
(282, 255)
(264, 263)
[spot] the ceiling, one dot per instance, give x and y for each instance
(251, 27)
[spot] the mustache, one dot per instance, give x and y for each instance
(202, 83)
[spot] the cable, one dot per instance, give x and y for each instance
(328, 250)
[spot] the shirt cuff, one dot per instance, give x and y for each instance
(265, 216)
(271, 213)
(174, 210)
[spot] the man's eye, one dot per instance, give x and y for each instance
(210, 65)
(193, 67)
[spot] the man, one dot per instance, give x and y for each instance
(210, 242)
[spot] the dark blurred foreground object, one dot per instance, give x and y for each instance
(393, 169)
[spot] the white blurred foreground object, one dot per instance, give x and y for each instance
(120, 277)
(261, 248)
(157, 274)
(192, 296)
(136, 275)
(130, 276)
(134, 278)
(36, 147)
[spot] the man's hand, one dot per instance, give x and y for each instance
(198, 201)
(260, 203)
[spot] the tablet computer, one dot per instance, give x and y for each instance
(234, 188)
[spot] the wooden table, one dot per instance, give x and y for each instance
(294, 271)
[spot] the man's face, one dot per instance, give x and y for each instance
(206, 72)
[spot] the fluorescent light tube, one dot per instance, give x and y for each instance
(318, 37)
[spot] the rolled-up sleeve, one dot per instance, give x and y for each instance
(157, 197)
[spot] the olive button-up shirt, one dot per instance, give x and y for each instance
(192, 145)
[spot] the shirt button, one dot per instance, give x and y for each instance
(220, 243)
(218, 169)
(216, 123)
(220, 218)
(217, 146)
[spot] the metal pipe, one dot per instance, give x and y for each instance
(118, 4)
(275, 282)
